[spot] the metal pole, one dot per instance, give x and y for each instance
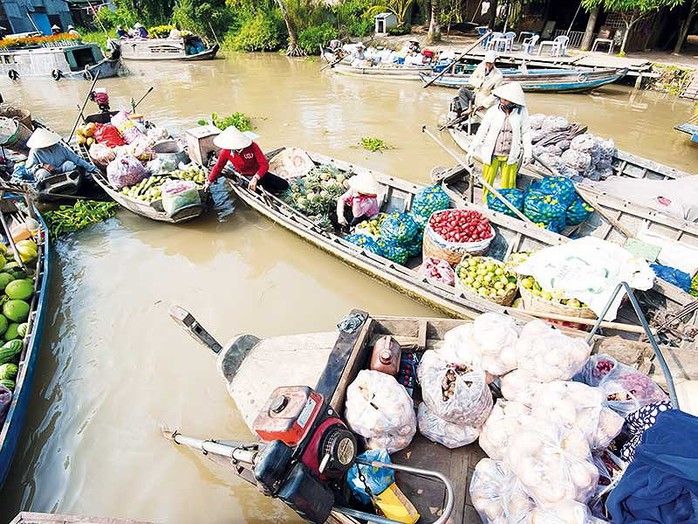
(142, 98)
(11, 240)
(574, 18)
(648, 331)
(484, 182)
(238, 453)
(82, 109)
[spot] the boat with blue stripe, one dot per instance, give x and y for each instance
(535, 80)
(12, 428)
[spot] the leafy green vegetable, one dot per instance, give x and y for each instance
(239, 120)
(374, 144)
(68, 219)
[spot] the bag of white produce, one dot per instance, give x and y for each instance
(548, 354)
(578, 407)
(497, 495)
(443, 432)
(101, 154)
(179, 194)
(124, 171)
(552, 463)
(454, 392)
(519, 386)
(563, 512)
(380, 410)
(437, 270)
(488, 343)
(506, 421)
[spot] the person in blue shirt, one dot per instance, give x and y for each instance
(141, 32)
(49, 156)
(121, 32)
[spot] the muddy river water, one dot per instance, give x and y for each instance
(114, 368)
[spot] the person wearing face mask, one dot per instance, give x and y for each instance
(504, 137)
(248, 160)
(484, 79)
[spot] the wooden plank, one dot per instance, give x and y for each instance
(422, 337)
(46, 518)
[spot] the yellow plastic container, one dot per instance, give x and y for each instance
(393, 504)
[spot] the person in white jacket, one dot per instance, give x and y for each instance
(482, 82)
(504, 138)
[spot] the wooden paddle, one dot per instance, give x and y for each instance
(332, 64)
(456, 60)
(484, 182)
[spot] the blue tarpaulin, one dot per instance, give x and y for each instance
(661, 484)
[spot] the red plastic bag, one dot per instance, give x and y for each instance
(108, 135)
(438, 270)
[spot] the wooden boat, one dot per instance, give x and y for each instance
(53, 518)
(622, 219)
(12, 429)
(328, 362)
(690, 128)
(68, 59)
(152, 210)
(387, 71)
(512, 235)
(184, 48)
(539, 80)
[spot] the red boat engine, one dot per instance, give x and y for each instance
(308, 448)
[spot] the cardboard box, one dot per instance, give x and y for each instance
(200, 143)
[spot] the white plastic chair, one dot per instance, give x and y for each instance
(510, 36)
(529, 44)
(558, 46)
(494, 40)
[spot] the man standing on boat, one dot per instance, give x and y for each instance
(248, 160)
(49, 156)
(478, 91)
(504, 137)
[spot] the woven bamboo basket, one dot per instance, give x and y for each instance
(434, 246)
(537, 304)
(504, 300)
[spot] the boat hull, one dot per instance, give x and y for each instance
(389, 73)
(163, 49)
(12, 429)
(690, 129)
(571, 81)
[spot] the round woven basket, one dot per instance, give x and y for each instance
(434, 246)
(504, 300)
(17, 113)
(537, 304)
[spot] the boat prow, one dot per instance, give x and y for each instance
(209, 54)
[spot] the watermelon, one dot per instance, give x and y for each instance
(20, 289)
(16, 310)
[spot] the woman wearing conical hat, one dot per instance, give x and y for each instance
(248, 160)
(48, 155)
(504, 138)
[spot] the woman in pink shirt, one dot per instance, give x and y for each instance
(359, 203)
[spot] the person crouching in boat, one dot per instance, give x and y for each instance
(359, 203)
(49, 156)
(478, 91)
(140, 31)
(504, 137)
(248, 160)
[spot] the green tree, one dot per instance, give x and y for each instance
(293, 48)
(434, 34)
(207, 17)
(631, 11)
(148, 12)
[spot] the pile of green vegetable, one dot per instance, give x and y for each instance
(238, 119)
(316, 193)
(373, 144)
(68, 219)
(150, 189)
(694, 286)
(17, 286)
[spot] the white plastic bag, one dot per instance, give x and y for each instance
(497, 494)
(443, 432)
(519, 386)
(564, 512)
(380, 410)
(578, 407)
(505, 422)
(553, 464)
(455, 393)
(488, 343)
(548, 354)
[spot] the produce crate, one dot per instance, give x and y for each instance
(503, 300)
(433, 245)
(538, 304)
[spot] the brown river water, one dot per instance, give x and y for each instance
(114, 368)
